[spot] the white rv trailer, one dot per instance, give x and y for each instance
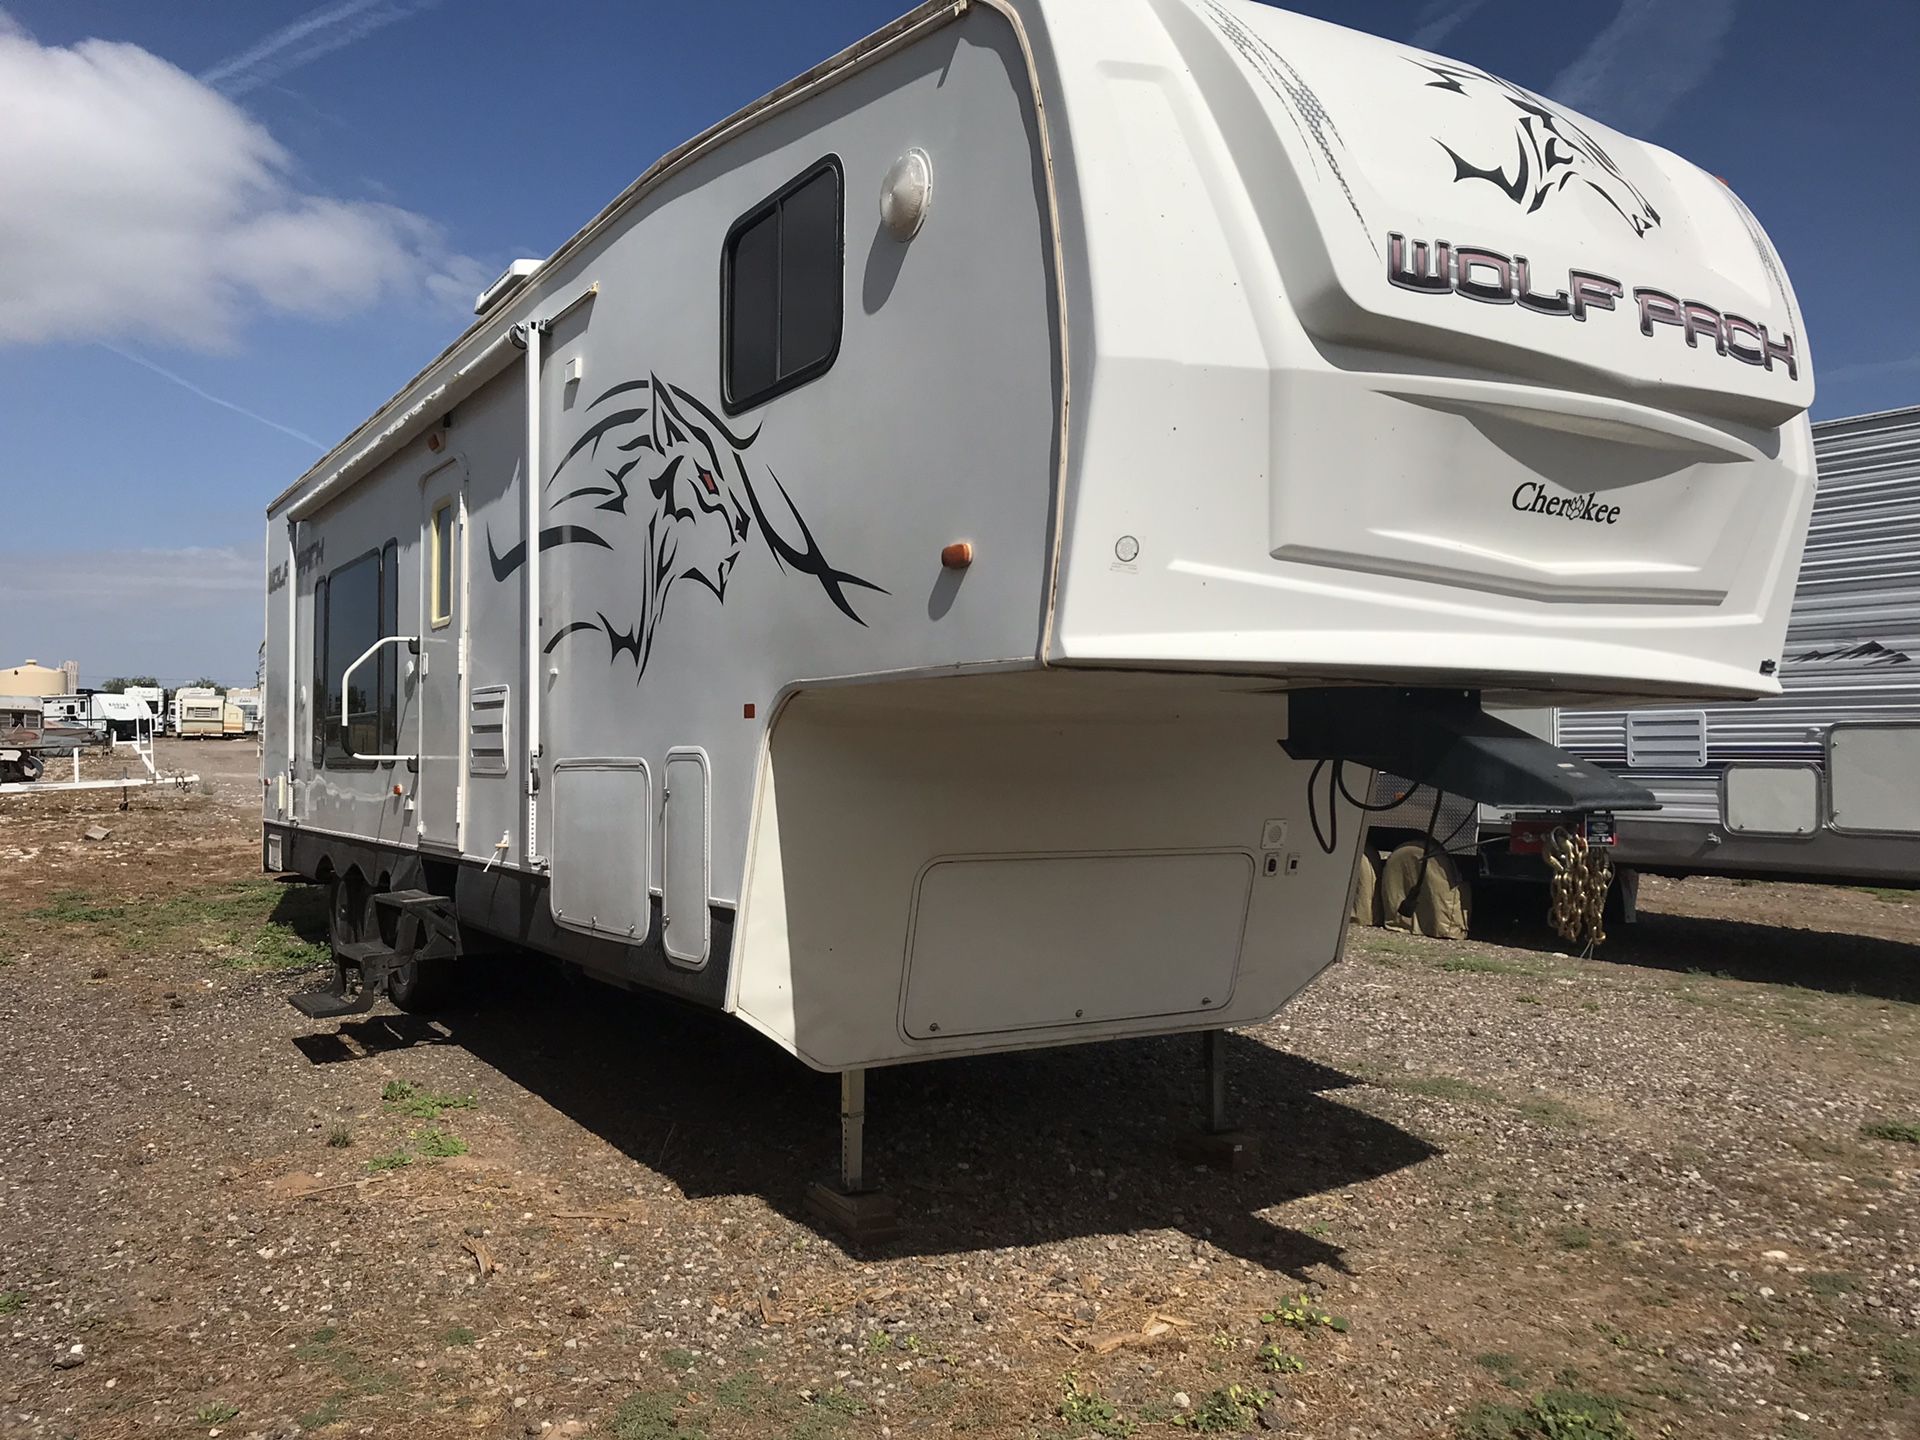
(121, 715)
(907, 574)
(199, 713)
(1821, 781)
(156, 699)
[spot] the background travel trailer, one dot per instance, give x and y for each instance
(199, 714)
(1823, 780)
(911, 571)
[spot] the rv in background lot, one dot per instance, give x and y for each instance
(156, 699)
(74, 715)
(121, 716)
(199, 714)
(966, 627)
(246, 705)
(1822, 781)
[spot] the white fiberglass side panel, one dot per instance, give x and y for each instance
(1298, 466)
(1164, 799)
(1521, 225)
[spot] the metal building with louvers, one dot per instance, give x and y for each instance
(1823, 780)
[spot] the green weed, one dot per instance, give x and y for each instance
(1485, 965)
(1229, 1411)
(457, 1335)
(839, 1402)
(392, 1160)
(1555, 1415)
(437, 1144)
(1831, 1284)
(1276, 1361)
(651, 1415)
(254, 924)
(405, 1098)
(1088, 1408)
(11, 1302)
(746, 1393)
(1302, 1314)
(1903, 1132)
(215, 1412)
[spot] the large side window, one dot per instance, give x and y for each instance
(353, 624)
(782, 296)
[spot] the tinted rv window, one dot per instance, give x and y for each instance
(320, 705)
(782, 294)
(353, 623)
(388, 660)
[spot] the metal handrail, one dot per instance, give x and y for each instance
(412, 642)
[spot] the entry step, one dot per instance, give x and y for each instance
(412, 900)
(331, 1004)
(368, 955)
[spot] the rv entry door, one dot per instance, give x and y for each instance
(441, 693)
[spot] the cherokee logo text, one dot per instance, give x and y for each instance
(1532, 499)
(1494, 278)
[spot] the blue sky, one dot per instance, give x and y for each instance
(320, 242)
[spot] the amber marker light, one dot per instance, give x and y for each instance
(957, 556)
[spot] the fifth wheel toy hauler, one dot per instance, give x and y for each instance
(909, 572)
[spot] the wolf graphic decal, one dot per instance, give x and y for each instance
(1551, 150)
(661, 472)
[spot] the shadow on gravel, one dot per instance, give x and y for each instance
(1001, 1150)
(1831, 961)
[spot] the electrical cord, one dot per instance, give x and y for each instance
(1329, 839)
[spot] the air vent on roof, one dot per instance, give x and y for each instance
(517, 274)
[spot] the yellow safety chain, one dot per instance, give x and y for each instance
(1581, 877)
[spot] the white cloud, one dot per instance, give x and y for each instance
(317, 33)
(210, 397)
(1440, 18)
(100, 580)
(1871, 369)
(141, 204)
(1649, 58)
(171, 613)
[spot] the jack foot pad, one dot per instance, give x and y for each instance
(866, 1217)
(1234, 1151)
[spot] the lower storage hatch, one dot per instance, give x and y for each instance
(1006, 943)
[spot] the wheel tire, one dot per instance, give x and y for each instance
(1443, 900)
(32, 767)
(345, 909)
(1366, 888)
(421, 987)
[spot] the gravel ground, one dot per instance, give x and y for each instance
(1494, 1177)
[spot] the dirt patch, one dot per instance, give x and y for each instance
(1666, 1190)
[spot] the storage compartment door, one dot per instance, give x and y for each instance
(602, 826)
(1021, 943)
(1771, 799)
(1873, 776)
(684, 848)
